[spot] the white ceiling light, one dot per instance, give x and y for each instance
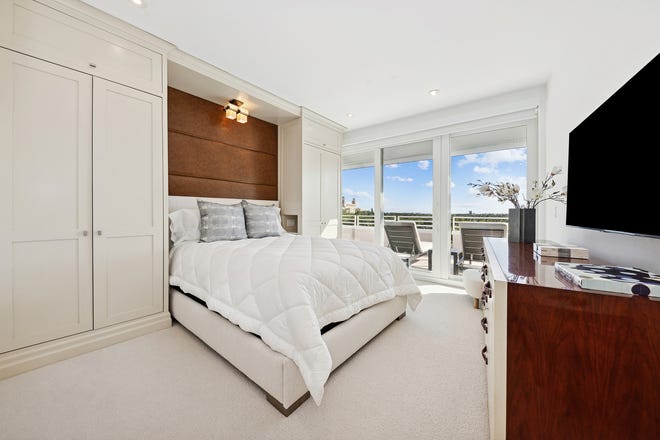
(434, 92)
(234, 110)
(140, 3)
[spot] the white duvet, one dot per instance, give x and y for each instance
(285, 289)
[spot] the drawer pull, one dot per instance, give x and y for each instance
(484, 324)
(92, 65)
(483, 354)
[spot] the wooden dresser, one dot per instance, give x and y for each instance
(564, 362)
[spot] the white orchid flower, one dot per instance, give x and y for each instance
(534, 194)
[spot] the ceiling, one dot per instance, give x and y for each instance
(376, 59)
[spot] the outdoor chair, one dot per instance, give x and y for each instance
(404, 239)
(472, 237)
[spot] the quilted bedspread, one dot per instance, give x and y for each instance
(285, 289)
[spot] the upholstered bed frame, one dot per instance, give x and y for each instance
(276, 374)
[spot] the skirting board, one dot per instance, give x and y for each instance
(35, 356)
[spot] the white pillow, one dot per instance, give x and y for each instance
(279, 218)
(184, 225)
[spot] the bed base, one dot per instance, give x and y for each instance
(277, 375)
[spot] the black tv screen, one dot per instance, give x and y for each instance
(613, 167)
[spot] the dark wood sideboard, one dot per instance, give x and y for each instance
(563, 362)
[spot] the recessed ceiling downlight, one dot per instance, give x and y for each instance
(434, 92)
(139, 3)
(350, 115)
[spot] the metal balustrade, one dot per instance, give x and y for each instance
(424, 221)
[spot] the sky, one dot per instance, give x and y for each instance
(407, 186)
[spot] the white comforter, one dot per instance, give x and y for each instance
(285, 289)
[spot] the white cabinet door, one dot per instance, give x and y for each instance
(319, 135)
(128, 207)
(330, 175)
(311, 190)
(46, 209)
(35, 29)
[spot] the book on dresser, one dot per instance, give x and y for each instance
(553, 249)
(626, 280)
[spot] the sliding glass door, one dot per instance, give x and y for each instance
(408, 203)
(357, 197)
(497, 155)
(416, 197)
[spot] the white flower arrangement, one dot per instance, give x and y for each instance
(510, 192)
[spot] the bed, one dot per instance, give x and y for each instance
(289, 357)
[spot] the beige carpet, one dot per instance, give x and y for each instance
(422, 378)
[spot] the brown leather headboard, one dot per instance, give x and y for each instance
(211, 156)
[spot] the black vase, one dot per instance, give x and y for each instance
(522, 225)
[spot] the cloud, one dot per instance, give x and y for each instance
(493, 159)
(392, 165)
(423, 164)
(482, 170)
(452, 184)
(429, 184)
(400, 179)
(351, 193)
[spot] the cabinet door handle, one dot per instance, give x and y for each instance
(484, 324)
(483, 354)
(92, 65)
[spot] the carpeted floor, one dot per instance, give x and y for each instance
(422, 378)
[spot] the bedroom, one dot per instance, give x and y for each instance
(133, 98)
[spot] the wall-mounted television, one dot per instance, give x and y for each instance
(614, 160)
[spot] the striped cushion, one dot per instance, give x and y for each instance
(261, 221)
(221, 222)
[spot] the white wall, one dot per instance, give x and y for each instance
(601, 56)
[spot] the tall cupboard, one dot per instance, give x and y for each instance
(311, 175)
(82, 235)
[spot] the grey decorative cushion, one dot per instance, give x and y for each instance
(261, 221)
(221, 222)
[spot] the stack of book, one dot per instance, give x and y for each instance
(551, 249)
(627, 280)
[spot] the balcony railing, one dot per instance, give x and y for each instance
(424, 221)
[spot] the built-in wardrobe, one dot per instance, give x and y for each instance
(82, 244)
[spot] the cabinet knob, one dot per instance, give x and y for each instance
(84, 233)
(99, 232)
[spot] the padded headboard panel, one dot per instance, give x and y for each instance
(182, 202)
(211, 156)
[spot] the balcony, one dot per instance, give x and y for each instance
(361, 228)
